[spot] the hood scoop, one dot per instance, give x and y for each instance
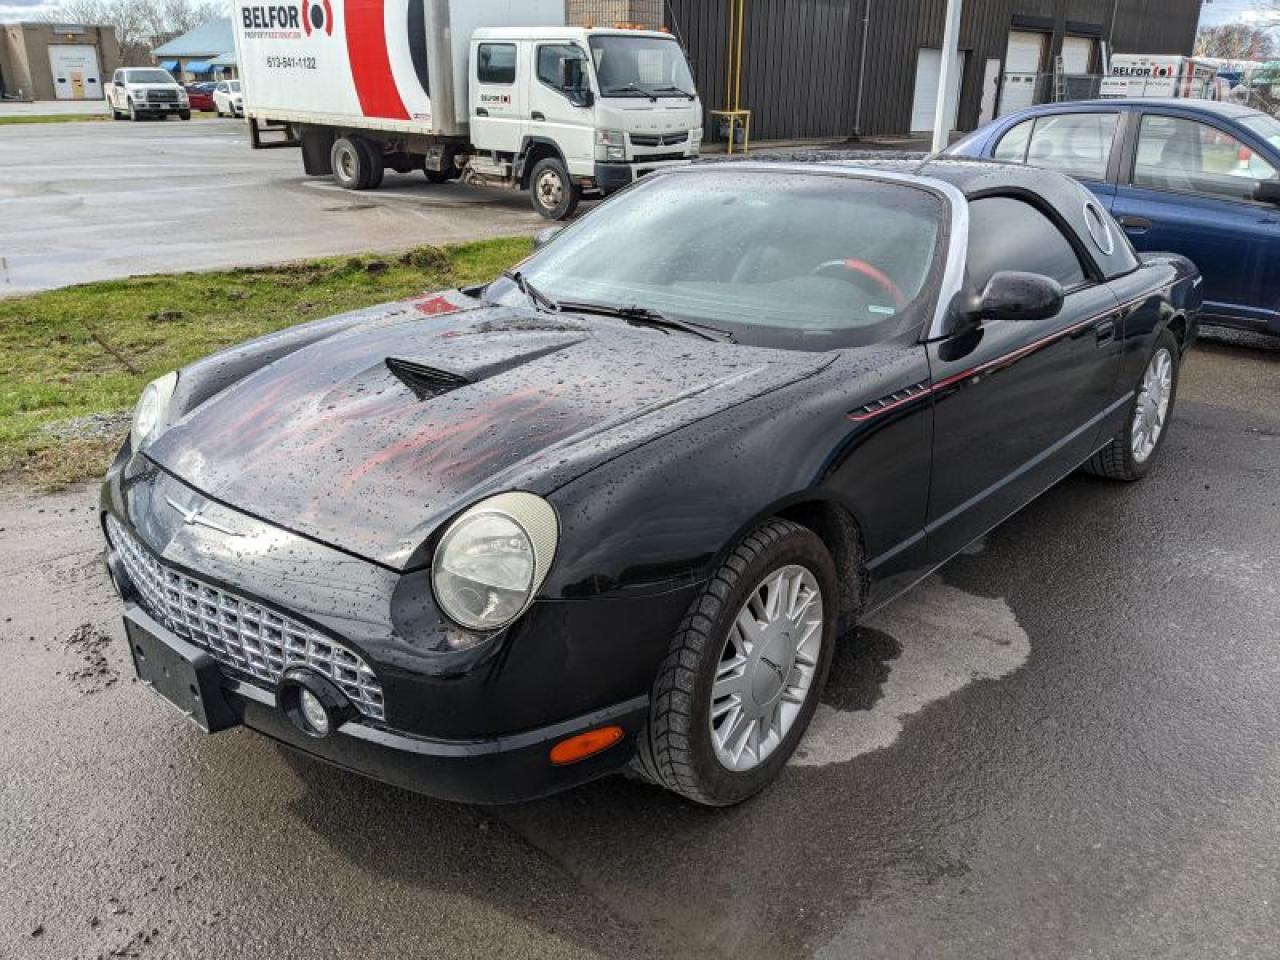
(425, 382)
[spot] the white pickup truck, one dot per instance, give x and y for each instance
(139, 92)
(497, 92)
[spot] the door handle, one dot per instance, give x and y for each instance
(1135, 224)
(1105, 331)
(481, 112)
(538, 115)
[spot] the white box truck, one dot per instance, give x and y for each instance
(497, 92)
(1138, 75)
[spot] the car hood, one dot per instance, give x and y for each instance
(369, 439)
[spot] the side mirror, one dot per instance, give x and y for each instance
(545, 236)
(1014, 297)
(581, 97)
(1267, 191)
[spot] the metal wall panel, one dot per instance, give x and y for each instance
(800, 74)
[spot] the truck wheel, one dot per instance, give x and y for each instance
(133, 112)
(350, 164)
(374, 163)
(554, 194)
(437, 176)
(184, 114)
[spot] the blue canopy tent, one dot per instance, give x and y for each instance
(198, 66)
(169, 65)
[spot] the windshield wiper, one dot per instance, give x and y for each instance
(644, 317)
(540, 299)
(679, 90)
(632, 86)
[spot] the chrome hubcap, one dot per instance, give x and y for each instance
(348, 164)
(1153, 405)
(550, 189)
(766, 668)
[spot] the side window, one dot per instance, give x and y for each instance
(496, 63)
(562, 66)
(1192, 157)
(1009, 234)
(1013, 145)
(1077, 144)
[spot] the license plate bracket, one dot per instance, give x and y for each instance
(180, 672)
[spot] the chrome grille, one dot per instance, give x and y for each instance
(659, 140)
(256, 643)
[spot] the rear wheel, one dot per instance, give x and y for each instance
(350, 164)
(554, 194)
(374, 163)
(1133, 450)
(744, 672)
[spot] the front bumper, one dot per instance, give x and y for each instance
(611, 177)
(474, 726)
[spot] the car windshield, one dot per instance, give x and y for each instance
(640, 66)
(149, 76)
(1268, 128)
(795, 260)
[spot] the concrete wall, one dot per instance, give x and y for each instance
(24, 55)
(605, 13)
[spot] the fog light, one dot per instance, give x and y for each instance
(313, 703)
(313, 712)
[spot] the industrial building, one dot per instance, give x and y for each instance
(834, 68)
(56, 61)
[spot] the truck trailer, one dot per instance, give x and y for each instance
(494, 92)
(1139, 75)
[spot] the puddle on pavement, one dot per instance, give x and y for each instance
(926, 646)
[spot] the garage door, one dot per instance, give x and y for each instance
(924, 104)
(1021, 70)
(75, 71)
(1077, 54)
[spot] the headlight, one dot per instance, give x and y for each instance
(152, 411)
(615, 153)
(611, 138)
(492, 560)
(139, 94)
(183, 96)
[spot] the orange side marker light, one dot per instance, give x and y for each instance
(583, 745)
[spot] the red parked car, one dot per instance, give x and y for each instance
(201, 96)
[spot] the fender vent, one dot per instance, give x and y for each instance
(425, 382)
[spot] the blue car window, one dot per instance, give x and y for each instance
(1077, 144)
(1013, 145)
(1190, 157)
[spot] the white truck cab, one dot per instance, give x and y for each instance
(499, 92)
(571, 109)
(138, 92)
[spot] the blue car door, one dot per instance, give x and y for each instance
(1188, 188)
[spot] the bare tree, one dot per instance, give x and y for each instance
(141, 25)
(1236, 41)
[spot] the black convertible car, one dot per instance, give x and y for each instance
(617, 506)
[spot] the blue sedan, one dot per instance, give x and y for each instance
(1193, 177)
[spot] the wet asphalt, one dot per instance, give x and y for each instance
(1064, 745)
(100, 200)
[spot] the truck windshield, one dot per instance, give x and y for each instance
(780, 259)
(149, 76)
(640, 66)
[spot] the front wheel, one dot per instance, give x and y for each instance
(1131, 452)
(133, 112)
(554, 194)
(184, 114)
(744, 672)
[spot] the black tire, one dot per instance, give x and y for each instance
(1117, 461)
(184, 114)
(554, 194)
(374, 163)
(436, 176)
(115, 114)
(134, 116)
(350, 163)
(676, 751)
